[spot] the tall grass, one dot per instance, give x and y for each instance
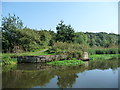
(104, 51)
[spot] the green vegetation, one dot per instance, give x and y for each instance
(7, 60)
(35, 53)
(67, 75)
(65, 33)
(10, 58)
(18, 40)
(105, 57)
(104, 51)
(67, 63)
(69, 49)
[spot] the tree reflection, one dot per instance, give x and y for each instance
(27, 78)
(103, 64)
(66, 81)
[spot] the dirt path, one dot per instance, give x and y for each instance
(43, 50)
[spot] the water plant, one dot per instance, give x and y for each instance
(66, 63)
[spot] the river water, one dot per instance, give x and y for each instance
(93, 74)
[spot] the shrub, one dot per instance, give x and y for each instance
(69, 49)
(7, 60)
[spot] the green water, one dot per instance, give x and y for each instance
(93, 74)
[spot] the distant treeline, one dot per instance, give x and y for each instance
(17, 38)
(104, 51)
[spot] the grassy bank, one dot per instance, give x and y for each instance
(104, 56)
(7, 58)
(66, 63)
(34, 53)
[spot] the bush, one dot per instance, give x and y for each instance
(7, 60)
(69, 49)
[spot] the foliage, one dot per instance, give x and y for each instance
(102, 39)
(65, 33)
(105, 57)
(53, 38)
(34, 53)
(16, 38)
(10, 25)
(80, 38)
(104, 51)
(7, 60)
(67, 63)
(69, 49)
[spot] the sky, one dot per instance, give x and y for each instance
(82, 16)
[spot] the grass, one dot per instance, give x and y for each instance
(104, 56)
(66, 63)
(35, 53)
(8, 60)
(6, 57)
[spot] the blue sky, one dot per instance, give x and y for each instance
(82, 16)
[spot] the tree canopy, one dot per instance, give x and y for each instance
(17, 38)
(65, 33)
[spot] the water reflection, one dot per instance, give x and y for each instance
(31, 75)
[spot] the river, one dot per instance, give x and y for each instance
(93, 74)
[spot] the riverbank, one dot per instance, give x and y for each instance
(95, 57)
(10, 58)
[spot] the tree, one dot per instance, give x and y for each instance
(10, 25)
(53, 38)
(65, 33)
(81, 38)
